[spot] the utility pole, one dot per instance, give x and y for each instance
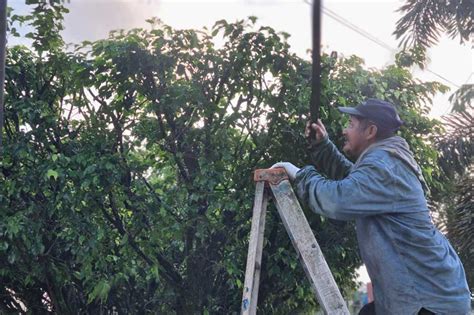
(316, 67)
(3, 42)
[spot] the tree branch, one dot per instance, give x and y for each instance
(170, 274)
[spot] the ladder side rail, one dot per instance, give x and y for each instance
(254, 256)
(309, 252)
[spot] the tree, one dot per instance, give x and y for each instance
(126, 175)
(457, 219)
(419, 29)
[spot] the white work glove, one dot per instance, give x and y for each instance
(290, 169)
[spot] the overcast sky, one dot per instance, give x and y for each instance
(93, 19)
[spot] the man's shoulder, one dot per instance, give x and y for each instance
(378, 157)
(384, 163)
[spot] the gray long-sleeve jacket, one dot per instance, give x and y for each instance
(410, 263)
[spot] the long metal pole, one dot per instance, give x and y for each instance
(3, 42)
(316, 56)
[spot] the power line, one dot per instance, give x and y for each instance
(450, 105)
(357, 29)
(468, 78)
(441, 77)
(373, 38)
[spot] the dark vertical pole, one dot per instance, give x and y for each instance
(3, 42)
(316, 71)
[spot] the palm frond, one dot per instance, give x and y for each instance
(424, 20)
(462, 98)
(460, 225)
(456, 148)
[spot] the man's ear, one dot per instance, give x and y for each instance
(371, 132)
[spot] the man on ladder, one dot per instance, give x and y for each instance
(412, 266)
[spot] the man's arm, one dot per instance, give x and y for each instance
(324, 153)
(365, 191)
(329, 159)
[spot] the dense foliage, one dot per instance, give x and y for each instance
(125, 181)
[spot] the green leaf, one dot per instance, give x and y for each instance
(52, 173)
(100, 291)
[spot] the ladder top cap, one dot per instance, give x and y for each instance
(271, 175)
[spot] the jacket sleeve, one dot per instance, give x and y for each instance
(365, 191)
(327, 158)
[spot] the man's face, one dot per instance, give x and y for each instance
(356, 140)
